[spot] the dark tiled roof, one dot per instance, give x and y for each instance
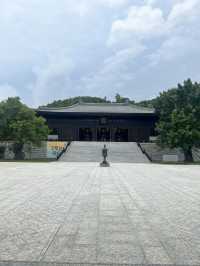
(120, 108)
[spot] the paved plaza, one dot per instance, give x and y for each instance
(53, 213)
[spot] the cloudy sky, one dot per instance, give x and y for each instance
(54, 49)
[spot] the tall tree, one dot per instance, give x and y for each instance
(20, 124)
(179, 111)
(120, 99)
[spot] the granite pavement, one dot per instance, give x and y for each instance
(78, 213)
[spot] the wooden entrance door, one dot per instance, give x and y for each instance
(121, 135)
(85, 134)
(103, 134)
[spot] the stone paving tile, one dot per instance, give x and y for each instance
(181, 252)
(80, 213)
(114, 227)
(148, 239)
(84, 254)
(119, 237)
(157, 255)
(60, 249)
(120, 253)
(86, 237)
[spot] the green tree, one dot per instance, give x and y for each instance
(179, 111)
(147, 103)
(120, 99)
(20, 124)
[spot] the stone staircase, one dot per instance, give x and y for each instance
(118, 152)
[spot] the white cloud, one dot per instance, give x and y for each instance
(121, 57)
(114, 3)
(84, 7)
(142, 22)
(182, 35)
(6, 91)
(54, 49)
(167, 43)
(184, 12)
(174, 48)
(148, 21)
(52, 80)
(147, 24)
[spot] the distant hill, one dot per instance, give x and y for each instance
(89, 99)
(147, 103)
(74, 100)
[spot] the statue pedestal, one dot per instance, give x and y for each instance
(104, 164)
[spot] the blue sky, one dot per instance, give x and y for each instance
(54, 49)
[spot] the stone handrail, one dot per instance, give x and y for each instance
(63, 150)
(143, 151)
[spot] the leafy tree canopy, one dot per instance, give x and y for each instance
(20, 123)
(179, 111)
(147, 103)
(120, 99)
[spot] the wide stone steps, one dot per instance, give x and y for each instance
(127, 152)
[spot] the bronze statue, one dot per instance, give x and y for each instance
(105, 155)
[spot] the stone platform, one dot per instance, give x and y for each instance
(72, 213)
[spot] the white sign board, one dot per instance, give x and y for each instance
(153, 139)
(54, 148)
(170, 158)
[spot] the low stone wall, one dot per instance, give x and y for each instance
(33, 152)
(47, 150)
(158, 154)
(8, 150)
(196, 155)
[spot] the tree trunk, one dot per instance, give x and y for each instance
(188, 156)
(18, 151)
(2, 152)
